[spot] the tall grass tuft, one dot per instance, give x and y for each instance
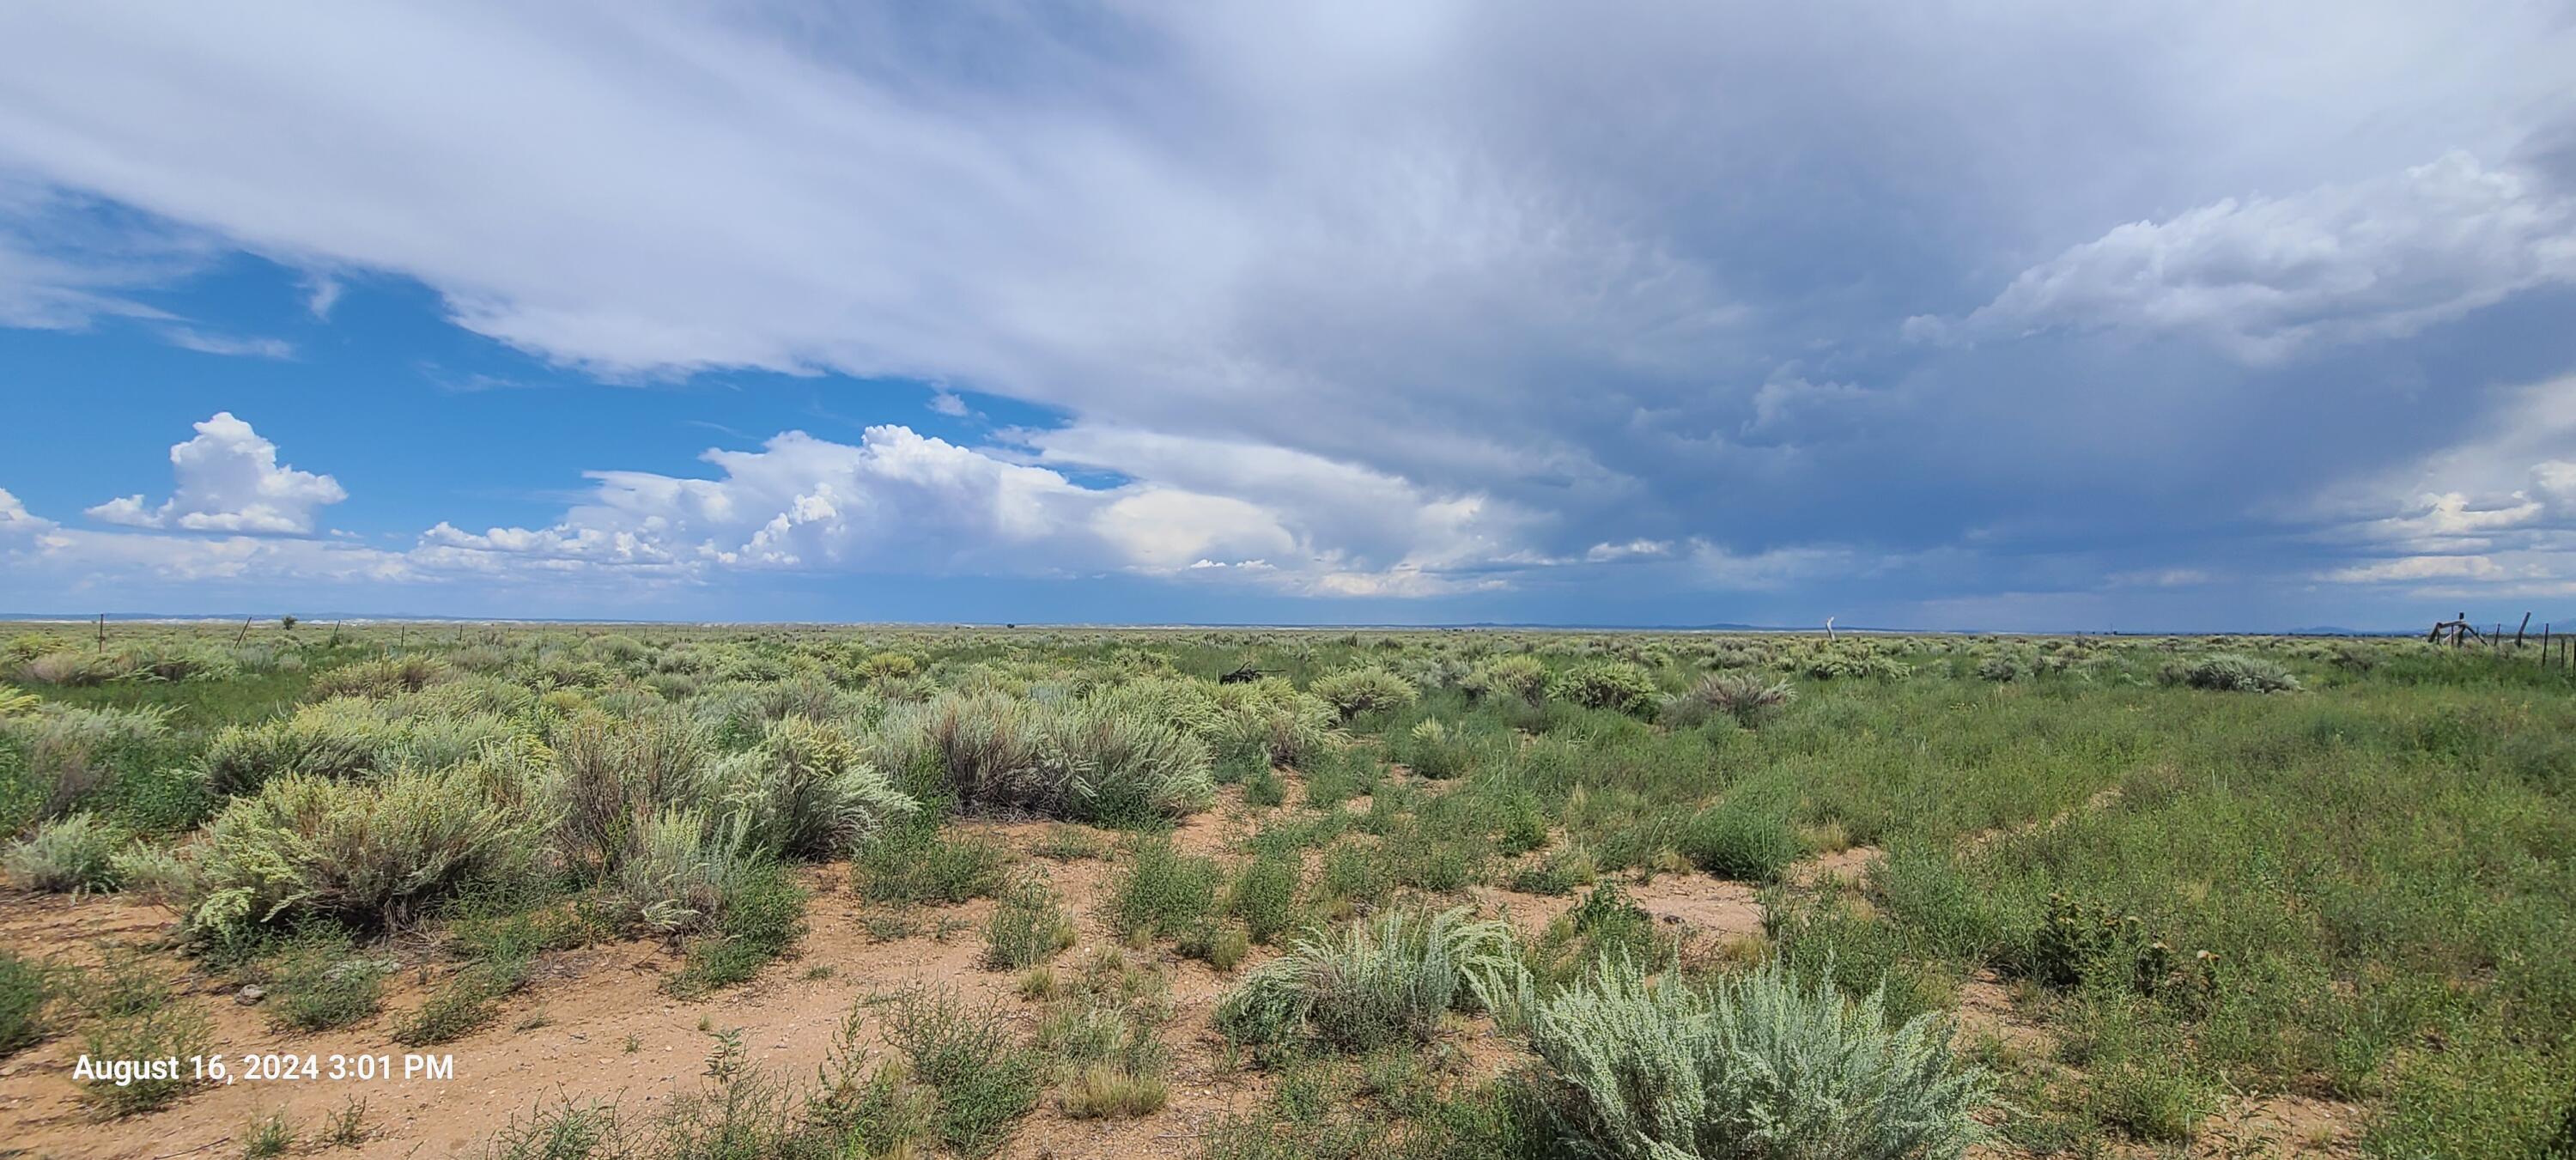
(1387, 979)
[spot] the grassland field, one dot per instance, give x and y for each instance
(854, 892)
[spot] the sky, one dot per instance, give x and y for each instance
(1993, 315)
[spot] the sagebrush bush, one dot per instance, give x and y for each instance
(1743, 697)
(678, 868)
(74, 852)
(1386, 979)
(1756, 1066)
(1090, 761)
(804, 791)
(1273, 719)
(73, 755)
(383, 677)
(365, 854)
(1520, 675)
(1432, 750)
(1366, 689)
(344, 737)
(2232, 672)
(1125, 768)
(614, 776)
(1615, 685)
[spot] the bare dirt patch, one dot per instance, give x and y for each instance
(595, 1024)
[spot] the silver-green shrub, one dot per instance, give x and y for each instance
(368, 853)
(1366, 689)
(1757, 1067)
(73, 852)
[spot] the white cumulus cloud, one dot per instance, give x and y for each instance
(228, 479)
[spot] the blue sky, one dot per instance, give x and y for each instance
(1995, 315)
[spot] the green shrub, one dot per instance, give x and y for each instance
(267, 1137)
(1124, 768)
(921, 862)
(1560, 873)
(984, 1080)
(25, 989)
(2002, 668)
(612, 777)
(344, 737)
(1756, 1066)
(761, 915)
(167, 1031)
(1856, 661)
(380, 678)
(1270, 716)
(1028, 928)
(1161, 892)
(678, 869)
(1524, 825)
(73, 852)
(1432, 750)
(1615, 685)
(1384, 980)
(1264, 788)
(372, 855)
(1741, 841)
(1264, 895)
(318, 983)
(1367, 689)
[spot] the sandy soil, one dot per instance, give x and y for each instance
(594, 1023)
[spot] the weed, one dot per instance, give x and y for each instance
(1028, 928)
(1161, 892)
(984, 1082)
(267, 1137)
(25, 990)
(172, 1034)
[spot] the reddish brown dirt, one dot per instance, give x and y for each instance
(1710, 907)
(595, 1024)
(602, 1028)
